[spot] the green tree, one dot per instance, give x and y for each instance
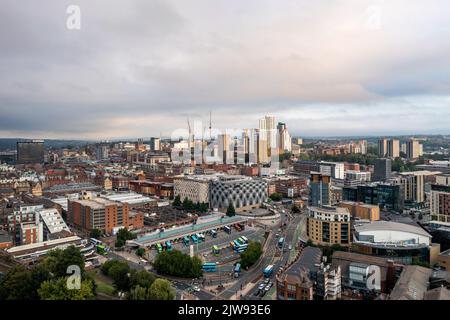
(123, 235)
(140, 252)
(276, 196)
(57, 260)
(142, 279)
(251, 255)
(138, 293)
(230, 210)
(188, 204)
(95, 233)
(176, 263)
(177, 201)
(120, 273)
(161, 289)
(58, 290)
(16, 285)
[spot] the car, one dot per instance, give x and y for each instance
(196, 288)
(290, 247)
(257, 292)
(266, 281)
(261, 286)
(267, 288)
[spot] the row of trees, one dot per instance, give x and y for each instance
(175, 263)
(137, 285)
(251, 255)
(48, 280)
(189, 205)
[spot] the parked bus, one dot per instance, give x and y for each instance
(267, 272)
(159, 247)
(241, 240)
(216, 250)
(101, 249)
(214, 233)
(227, 229)
(95, 242)
(168, 246)
(201, 236)
(237, 270)
(186, 241)
(232, 244)
(237, 227)
(242, 225)
(240, 249)
(280, 242)
(237, 243)
(194, 238)
(209, 267)
(245, 239)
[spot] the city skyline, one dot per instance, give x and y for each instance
(140, 68)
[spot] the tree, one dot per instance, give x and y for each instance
(16, 285)
(177, 201)
(119, 272)
(230, 210)
(176, 263)
(276, 196)
(122, 236)
(142, 279)
(161, 290)
(188, 204)
(138, 293)
(251, 255)
(140, 252)
(58, 290)
(57, 261)
(95, 233)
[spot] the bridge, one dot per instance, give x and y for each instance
(180, 232)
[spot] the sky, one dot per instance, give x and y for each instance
(141, 68)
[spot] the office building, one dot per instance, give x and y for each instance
(268, 132)
(241, 191)
(30, 152)
(414, 185)
(353, 177)
(329, 225)
(382, 148)
(320, 187)
(284, 138)
(98, 213)
(155, 144)
(334, 169)
(388, 196)
(382, 169)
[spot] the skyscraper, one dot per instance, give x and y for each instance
(382, 169)
(413, 149)
(393, 148)
(284, 138)
(268, 132)
(382, 148)
(155, 144)
(30, 152)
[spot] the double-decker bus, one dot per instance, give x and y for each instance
(267, 272)
(95, 242)
(215, 250)
(280, 242)
(186, 240)
(241, 240)
(194, 238)
(237, 269)
(214, 233)
(168, 246)
(237, 243)
(232, 244)
(227, 229)
(101, 249)
(241, 248)
(242, 225)
(159, 247)
(209, 267)
(201, 236)
(245, 239)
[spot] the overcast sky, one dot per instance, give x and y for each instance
(138, 68)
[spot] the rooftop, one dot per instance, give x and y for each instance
(412, 284)
(390, 226)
